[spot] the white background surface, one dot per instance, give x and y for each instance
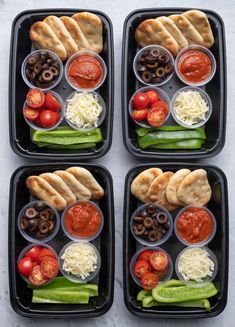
(118, 161)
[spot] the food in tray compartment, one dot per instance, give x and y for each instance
(191, 107)
(84, 110)
(176, 293)
(151, 224)
(42, 69)
(154, 65)
(80, 261)
(38, 221)
(53, 189)
(196, 264)
(38, 264)
(66, 35)
(149, 107)
(187, 188)
(195, 225)
(176, 31)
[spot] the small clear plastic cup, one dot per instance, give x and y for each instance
(74, 278)
(164, 238)
(77, 238)
(34, 53)
(139, 54)
(204, 50)
(206, 240)
(203, 94)
(205, 280)
(27, 235)
(25, 250)
(164, 278)
(61, 112)
(84, 53)
(162, 95)
(101, 117)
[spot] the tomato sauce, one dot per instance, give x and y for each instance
(85, 72)
(195, 225)
(195, 66)
(82, 220)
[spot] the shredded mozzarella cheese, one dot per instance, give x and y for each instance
(195, 264)
(80, 260)
(190, 107)
(83, 110)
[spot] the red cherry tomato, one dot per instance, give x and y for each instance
(25, 266)
(156, 116)
(35, 98)
(30, 113)
(145, 255)
(45, 252)
(140, 100)
(48, 118)
(51, 102)
(49, 267)
(153, 96)
(34, 253)
(159, 260)
(160, 104)
(139, 115)
(149, 280)
(141, 267)
(36, 277)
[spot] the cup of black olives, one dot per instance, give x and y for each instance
(38, 222)
(151, 224)
(153, 65)
(42, 69)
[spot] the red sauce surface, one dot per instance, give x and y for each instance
(85, 72)
(82, 220)
(194, 225)
(194, 66)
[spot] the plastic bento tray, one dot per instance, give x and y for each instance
(21, 46)
(219, 245)
(215, 128)
(20, 295)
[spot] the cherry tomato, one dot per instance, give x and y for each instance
(36, 277)
(160, 104)
(156, 116)
(48, 118)
(153, 96)
(51, 102)
(25, 266)
(145, 255)
(49, 268)
(45, 252)
(149, 281)
(30, 113)
(34, 253)
(35, 98)
(159, 260)
(141, 267)
(139, 115)
(140, 100)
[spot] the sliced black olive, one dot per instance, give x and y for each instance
(152, 67)
(168, 68)
(37, 68)
(138, 219)
(163, 59)
(156, 80)
(44, 228)
(164, 231)
(24, 224)
(150, 209)
(56, 65)
(150, 60)
(49, 61)
(148, 222)
(27, 73)
(146, 234)
(51, 225)
(154, 52)
(39, 206)
(140, 67)
(162, 218)
(45, 66)
(44, 215)
(160, 72)
(147, 76)
(152, 236)
(38, 235)
(143, 213)
(32, 76)
(154, 215)
(47, 75)
(33, 224)
(139, 229)
(51, 213)
(155, 224)
(43, 57)
(158, 235)
(54, 71)
(145, 54)
(166, 225)
(30, 213)
(32, 60)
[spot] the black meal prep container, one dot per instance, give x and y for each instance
(219, 245)
(20, 295)
(21, 46)
(217, 89)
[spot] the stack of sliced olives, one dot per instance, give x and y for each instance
(154, 66)
(38, 221)
(42, 69)
(151, 224)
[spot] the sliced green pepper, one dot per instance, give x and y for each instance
(60, 296)
(141, 131)
(187, 144)
(81, 146)
(142, 294)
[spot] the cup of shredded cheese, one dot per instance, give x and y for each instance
(191, 107)
(80, 262)
(84, 110)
